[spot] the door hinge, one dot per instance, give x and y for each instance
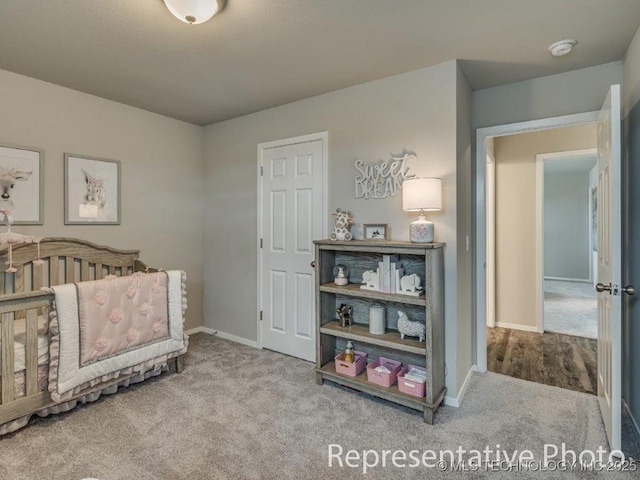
(260, 243)
(262, 171)
(260, 315)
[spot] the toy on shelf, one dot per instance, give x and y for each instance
(370, 281)
(341, 275)
(411, 285)
(349, 355)
(345, 314)
(343, 223)
(408, 328)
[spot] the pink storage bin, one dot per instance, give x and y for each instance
(409, 387)
(351, 369)
(383, 379)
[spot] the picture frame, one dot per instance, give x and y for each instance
(376, 232)
(22, 183)
(91, 190)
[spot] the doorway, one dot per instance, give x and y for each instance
(292, 213)
(538, 256)
(566, 214)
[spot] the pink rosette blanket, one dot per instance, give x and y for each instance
(103, 329)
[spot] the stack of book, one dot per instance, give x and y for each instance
(389, 274)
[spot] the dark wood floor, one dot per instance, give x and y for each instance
(551, 358)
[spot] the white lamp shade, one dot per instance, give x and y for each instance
(422, 194)
(194, 11)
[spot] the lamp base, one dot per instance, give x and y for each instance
(421, 231)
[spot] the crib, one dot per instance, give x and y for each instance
(24, 310)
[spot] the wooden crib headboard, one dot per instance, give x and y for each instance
(66, 260)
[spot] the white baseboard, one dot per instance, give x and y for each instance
(580, 280)
(457, 401)
(515, 326)
(635, 424)
(226, 336)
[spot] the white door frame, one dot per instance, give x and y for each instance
(482, 134)
(540, 159)
(324, 137)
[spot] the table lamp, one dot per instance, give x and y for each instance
(420, 195)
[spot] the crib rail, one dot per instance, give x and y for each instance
(28, 305)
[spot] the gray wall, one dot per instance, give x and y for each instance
(465, 226)
(631, 233)
(566, 224)
(161, 162)
(417, 111)
(578, 91)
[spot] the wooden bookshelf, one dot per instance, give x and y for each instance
(426, 261)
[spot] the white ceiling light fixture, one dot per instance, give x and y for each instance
(562, 47)
(194, 12)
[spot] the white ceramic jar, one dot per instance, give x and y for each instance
(377, 324)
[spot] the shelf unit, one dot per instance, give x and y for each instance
(425, 260)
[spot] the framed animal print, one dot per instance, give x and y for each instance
(91, 190)
(22, 184)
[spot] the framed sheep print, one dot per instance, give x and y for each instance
(22, 184)
(91, 190)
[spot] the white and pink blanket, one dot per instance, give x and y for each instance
(106, 328)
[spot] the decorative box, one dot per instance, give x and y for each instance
(380, 378)
(410, 387)
(351, 369)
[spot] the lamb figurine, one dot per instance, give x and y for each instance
(343, 223)
(409, 328)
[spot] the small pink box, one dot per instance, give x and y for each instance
(410, 387)
(351, 369)
(383, 379)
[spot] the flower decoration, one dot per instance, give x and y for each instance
(156, 327)
(144, 309)
(131, 292)
(101, 298)
(132, 334)
(115, 316)
(101, 343)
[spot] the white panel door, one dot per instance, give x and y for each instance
(292, 187)
(610, 268)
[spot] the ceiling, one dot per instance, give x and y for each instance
(570, 164)
(258, 54)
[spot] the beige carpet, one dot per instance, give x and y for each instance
(242, 413)
(570, 308)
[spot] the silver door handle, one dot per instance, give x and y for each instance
(629, 290)
(600, 287)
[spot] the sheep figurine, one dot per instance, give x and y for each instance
(409, 328)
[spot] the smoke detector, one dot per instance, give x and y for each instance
(562, 47)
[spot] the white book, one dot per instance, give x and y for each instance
(384, 275)
(392, 275)
(399, 273)
(385, 272)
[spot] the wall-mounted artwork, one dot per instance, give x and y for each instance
(384, 179)
(21, 184)
(92, 190)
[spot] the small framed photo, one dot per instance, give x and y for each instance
(91, 190)
(22, 184)
(376, 231)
